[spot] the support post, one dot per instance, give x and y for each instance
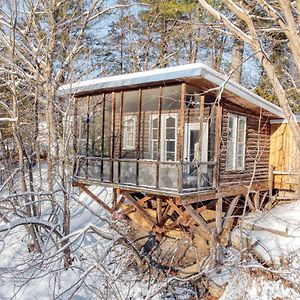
(158, 136)
(102, 134)
(181, 138)
(112, 137)
(199, 173)
(121, 134)
(75, 136)
(271, 182)
(138, 136)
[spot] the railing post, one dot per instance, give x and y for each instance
(158, 136)
(112, 137)
(181, 137)
(271, 181)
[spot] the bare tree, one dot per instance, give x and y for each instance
(281, 16)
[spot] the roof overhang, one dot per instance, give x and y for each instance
(182, 72)
(284, 121)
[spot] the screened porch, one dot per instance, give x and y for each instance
(148, 138)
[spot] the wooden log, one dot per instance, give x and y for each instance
(219, 216)
(229, 212)
(119, 203)
(159, 210)
(200, 221)
(263, 200)
(249, 202)
(140, 209)
(256, 200)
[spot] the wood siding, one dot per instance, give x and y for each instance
(284, 157)
(256, 153)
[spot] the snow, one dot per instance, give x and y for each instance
(102, 268)
(275, 234)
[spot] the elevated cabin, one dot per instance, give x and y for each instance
(184, 132)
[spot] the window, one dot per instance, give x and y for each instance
(168, 137)
(129, 132)
(236, 140)
(154, 137)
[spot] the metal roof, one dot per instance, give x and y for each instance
(284, 121)
(197, 70)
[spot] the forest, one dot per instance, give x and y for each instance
(59, 243)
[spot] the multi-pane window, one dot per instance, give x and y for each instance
(154, 137)
(236, 140)
(168, 138)
(129, 132)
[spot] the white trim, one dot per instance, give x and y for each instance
(195, 126)
(204, 140)
(163, 134)
(284, 121)
(235, 133)
(125, 133)
(180, 73)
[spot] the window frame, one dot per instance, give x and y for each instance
(236, 142)
(163, 139)
(125, 145)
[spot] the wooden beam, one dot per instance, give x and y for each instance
(263, 200)
(140, 209)
(94, 197)
(200, 221)
(159, 210)
(119, 203)
(174, 207)
(249, 202)
(256, 200)
(144, 199)
(209, 195)
(229, 212)
(167, 212)
(219, 216)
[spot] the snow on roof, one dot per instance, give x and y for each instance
(172, 73)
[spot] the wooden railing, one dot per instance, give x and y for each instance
(163, 175)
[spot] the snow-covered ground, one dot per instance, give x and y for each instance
(103, 268)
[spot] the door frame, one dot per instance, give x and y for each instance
(204, 152)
